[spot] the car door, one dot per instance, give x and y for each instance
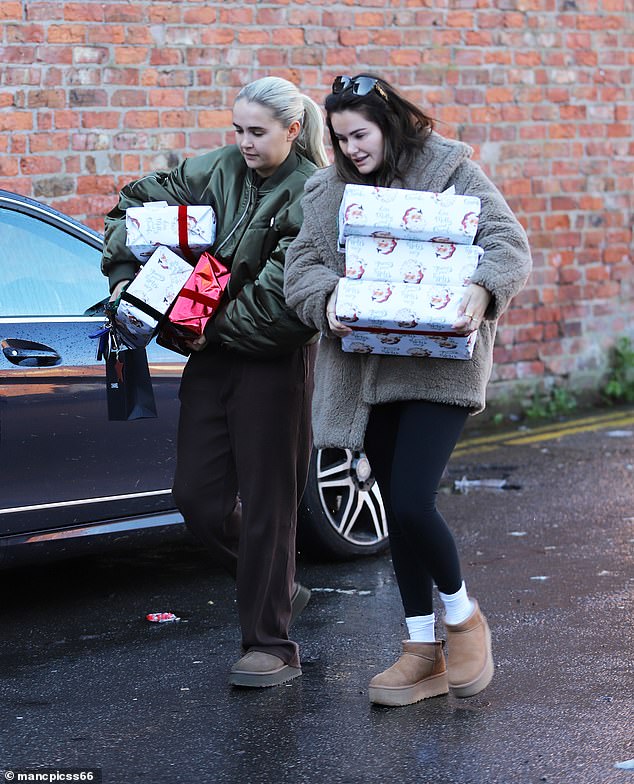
(62, 463)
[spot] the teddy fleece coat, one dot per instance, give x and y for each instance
(347, 385)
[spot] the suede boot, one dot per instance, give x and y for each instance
(258, 669)
(469, 657)
(419, 673)
(299, 600)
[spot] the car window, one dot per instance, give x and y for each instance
(44, 271)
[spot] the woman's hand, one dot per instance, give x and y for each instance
(471, 309)
(336, 327)
(116, 291)
(198, 344)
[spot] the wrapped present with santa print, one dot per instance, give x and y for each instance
(440, 345)
(147, 298)
(186, 230)
(408, 261)
(397, 306)
(405, 214)
(196, 303)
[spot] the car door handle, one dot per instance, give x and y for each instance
(26, 353)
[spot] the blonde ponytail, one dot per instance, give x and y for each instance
(311, 139)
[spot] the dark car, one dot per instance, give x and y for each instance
(68, 476)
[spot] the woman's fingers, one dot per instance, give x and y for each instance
(116, 291)
(198, 344)
(336, 327)
(465, 324)
(472, 308)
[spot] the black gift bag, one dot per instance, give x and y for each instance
(129, 386)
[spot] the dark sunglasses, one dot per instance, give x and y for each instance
(360, 85)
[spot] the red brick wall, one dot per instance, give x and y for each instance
(94, 93)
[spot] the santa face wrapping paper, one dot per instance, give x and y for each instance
(135, 327)
(149, 296)
(408, 261)
(396, 318)
(404, 214)
(397, 306)
(157, 224)
(441, 346)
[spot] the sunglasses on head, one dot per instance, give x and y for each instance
(360, 85)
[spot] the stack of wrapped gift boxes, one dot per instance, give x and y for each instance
(408, 258)
(167, 240)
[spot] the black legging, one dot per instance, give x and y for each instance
(409, 444)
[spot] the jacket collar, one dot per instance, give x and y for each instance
(280, 174)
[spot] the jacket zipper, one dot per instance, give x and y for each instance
(240, 219)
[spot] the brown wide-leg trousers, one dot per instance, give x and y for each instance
(245, 428)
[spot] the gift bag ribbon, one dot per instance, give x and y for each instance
(142, 306)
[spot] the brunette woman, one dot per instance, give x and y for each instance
(406, 412)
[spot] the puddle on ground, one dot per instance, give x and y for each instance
(465, 485)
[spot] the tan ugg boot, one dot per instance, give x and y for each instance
(419, 673)
(469, 657)
(257, 668)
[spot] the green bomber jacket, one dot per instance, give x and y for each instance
(257, 219)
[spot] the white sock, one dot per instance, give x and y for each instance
(458, 606)
(421, 628)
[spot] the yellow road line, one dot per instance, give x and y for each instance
(572, 430)
(616, 417)
(545, 433)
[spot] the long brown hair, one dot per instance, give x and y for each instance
(404, 126)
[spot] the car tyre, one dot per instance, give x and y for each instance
(342, 514)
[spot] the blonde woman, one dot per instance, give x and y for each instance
(246, 390)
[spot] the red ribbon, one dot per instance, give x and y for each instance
(183, 243)
(197, 296)
(382, 331)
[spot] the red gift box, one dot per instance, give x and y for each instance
(196, 303)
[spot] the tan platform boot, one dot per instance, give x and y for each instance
(418, 674)
(469, 657)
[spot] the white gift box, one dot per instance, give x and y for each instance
(149, 296)
(407, 214)
(401, 319)
(157, 223)
(408, 261)
(442, 345)
(397, 306)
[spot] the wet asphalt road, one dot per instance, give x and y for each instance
(87, 682)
